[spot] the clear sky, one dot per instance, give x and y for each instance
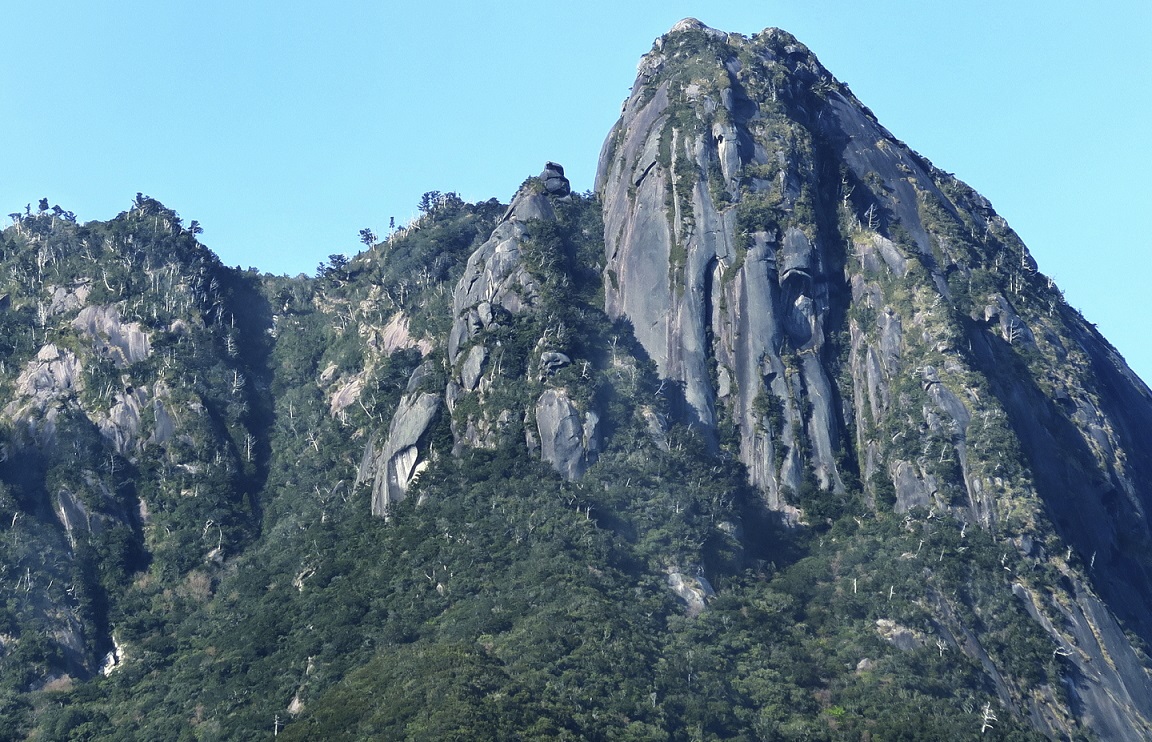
(285, 127)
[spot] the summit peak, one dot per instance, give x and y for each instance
(690, 24)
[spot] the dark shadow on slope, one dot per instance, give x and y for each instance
(252, 315)
(1085, 505)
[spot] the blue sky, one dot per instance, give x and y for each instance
(285, 127)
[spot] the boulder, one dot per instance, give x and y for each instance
(165, 426)
(567, 441)
(1014, 330)
(72, 514)
(551, 362)
(473, 367)
(555, 184)
(798, 255)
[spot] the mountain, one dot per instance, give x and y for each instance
(778, 434)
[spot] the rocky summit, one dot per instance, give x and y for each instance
(780, 433)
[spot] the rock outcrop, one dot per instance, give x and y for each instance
(49, 380)
(131, 374)
(731, 304)
(125, 342)
(497, 286)
(948, 469)
(122, 425)
(400, 462)
(395, 336)
(568, 440)
(555, 184)
(496, 294)
(496, 280)
(692, 587)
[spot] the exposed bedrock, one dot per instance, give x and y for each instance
(735, 312)
(494, 296)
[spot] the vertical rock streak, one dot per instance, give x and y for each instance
(731, 307)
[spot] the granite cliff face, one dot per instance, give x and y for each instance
(832, 306)
(730, 295)
(846, 320)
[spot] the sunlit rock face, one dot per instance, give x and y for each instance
(728, 287)
(830, 308)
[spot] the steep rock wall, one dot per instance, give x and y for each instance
(733, 309)
(830, 305)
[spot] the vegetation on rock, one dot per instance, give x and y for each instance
(778, 435)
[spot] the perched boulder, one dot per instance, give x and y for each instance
(554, 181)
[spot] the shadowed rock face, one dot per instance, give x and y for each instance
(850, 311)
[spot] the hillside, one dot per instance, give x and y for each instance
(779, 434)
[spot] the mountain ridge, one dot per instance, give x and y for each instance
(784, 414)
